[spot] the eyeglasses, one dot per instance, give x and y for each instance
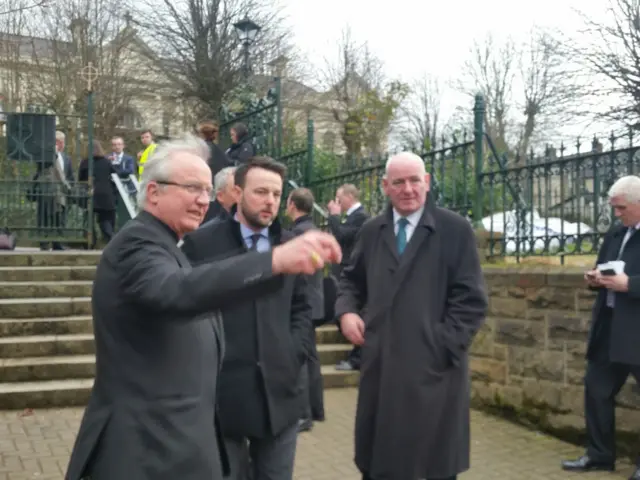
(192, 188)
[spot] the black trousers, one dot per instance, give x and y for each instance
(312, 383)
(602, 382)
(50, 219)
(106, 220)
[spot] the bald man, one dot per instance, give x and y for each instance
(416, 269)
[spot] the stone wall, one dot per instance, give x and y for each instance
(529, 359)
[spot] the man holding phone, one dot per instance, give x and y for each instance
(613, 349)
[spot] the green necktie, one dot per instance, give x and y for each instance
(401, 237)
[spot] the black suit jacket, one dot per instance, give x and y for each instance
(345, 233)
(159, 345)
(625, 327)
(314, 288)
(104, 191)
(267, 340)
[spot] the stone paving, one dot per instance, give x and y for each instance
(36, 445)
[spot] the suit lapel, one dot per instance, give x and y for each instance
(389, 239)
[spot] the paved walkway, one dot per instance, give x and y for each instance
(36, 445)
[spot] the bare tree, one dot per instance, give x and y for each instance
(365, 101)
(610, 51)
(528, 88)
(420, 124)
(9, 8)
(13, 27)
(491, 70)
(96, 32)
(200, 47)
(550, 88)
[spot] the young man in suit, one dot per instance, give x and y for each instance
(267, 338)
(299, 208)
(345, 230)
(158, 331)
(613, 351)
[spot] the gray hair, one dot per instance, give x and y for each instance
(627, 187)
(404, 156)
(221, 180)
(60, 136)
(160, 163)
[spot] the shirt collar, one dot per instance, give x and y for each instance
(413, 219)
(247, 232)
(353, 208)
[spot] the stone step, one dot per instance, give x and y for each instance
(329, 334)
(31, 369)
(50, 358)
(41, 289)
(45, 394)
(333, 378)
(15, 327)
(332, 353)
(76, 391)
(50, 259)
(46, 345)
(47, 274)
(44, 307)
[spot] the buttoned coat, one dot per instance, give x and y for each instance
(267, 340)
(625, 328)
(159, 346)
(422, 311)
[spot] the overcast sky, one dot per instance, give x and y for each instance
(414, 37)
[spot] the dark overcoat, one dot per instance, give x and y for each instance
(314, 286)
(422, 311)
(625, 328)
(159, 346)
(267, 340)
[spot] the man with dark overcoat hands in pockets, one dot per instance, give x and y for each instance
(415, 269)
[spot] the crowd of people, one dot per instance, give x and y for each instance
(204, 309)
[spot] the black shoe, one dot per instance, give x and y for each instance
(56, 246)
(305, 425)
(585, 464)
(635, 475)
(318, 418)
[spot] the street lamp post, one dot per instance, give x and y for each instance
(247, 30)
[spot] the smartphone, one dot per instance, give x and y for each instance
(608, 272)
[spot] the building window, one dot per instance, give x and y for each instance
(329, 141)
(130, 120)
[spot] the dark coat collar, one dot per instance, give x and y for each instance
(150, 219)
(302, 219)
(275, 229)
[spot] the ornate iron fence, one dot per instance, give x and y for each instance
(35, 202)
(263, 118)
(553, 204)
(453, 166)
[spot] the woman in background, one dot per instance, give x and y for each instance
(104, 195)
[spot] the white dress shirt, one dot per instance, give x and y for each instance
(611, 295)
(413, 220)
(353, 208)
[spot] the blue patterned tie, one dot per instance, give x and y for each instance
(401, 237)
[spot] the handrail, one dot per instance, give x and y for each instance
(124, 195)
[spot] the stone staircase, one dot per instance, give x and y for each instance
(46, 334)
